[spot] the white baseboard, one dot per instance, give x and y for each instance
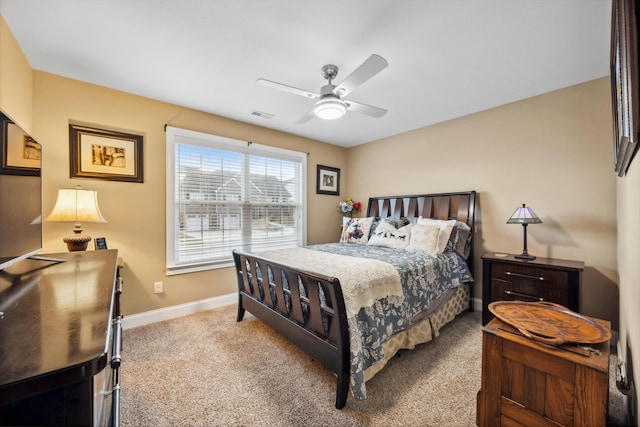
(477, 304)
(153, 316)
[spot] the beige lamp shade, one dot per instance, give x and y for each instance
(76, 205)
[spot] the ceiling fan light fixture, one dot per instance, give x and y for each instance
(330, 109)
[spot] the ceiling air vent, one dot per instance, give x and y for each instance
(262, 114)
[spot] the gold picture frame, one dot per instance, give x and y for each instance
(105, 154)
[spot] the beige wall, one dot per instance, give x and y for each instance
(136, 212)
(16, 80)
(629, 266)
(552, 152)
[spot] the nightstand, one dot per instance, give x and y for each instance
(505, 277)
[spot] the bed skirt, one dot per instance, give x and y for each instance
(427, 327)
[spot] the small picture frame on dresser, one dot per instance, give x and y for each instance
(101, 243)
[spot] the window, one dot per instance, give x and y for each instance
(225, 194)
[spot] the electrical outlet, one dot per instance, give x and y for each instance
(157, 288)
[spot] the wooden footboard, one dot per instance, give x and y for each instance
(304, 307)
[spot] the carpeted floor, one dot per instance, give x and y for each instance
(207, 369)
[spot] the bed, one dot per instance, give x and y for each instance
(352, 306)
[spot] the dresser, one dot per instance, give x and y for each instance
(525, 383)
(60, 340)
(505, 277)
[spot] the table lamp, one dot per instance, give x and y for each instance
(75, 205)
(524, 216)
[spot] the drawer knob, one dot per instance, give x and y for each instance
(526, 276)
(518, 294)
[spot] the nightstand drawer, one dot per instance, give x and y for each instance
(514, 291)
(505, 277)
(527, 275)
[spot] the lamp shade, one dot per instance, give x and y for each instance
(524, 215)
(330, 109)
(76, 205)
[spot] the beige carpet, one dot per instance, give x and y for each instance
(208, 370)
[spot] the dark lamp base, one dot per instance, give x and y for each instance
(525, 256)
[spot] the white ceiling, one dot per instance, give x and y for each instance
(447, 58)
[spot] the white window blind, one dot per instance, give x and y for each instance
(224, 194)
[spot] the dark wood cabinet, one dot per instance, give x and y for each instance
(505, 277)
(60, 340)
(525, 383)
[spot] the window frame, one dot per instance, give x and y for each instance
(176, 136)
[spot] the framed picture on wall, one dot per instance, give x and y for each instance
(624, 83)
(328, 180)
(105, 154)
(20, 154)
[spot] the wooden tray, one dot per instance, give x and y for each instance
(549, 323)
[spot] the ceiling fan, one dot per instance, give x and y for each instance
(330, 104)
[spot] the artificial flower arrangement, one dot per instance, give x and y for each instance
(349, 207)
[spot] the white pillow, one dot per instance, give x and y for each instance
(388, 236)
(356, 230)
(445, 230)
(424, 238)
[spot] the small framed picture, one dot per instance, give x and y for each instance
(328, 181)
(101, 243)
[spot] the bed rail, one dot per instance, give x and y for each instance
(305, 307)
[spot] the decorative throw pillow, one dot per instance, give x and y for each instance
(445, 230)
(374, 225)
(424, 238)
(460, 240)
(356, 230)
(388, 236)
(396, 222)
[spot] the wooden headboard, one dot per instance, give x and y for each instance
(460, 206)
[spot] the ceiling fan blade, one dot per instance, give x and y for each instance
(304, 119)
(290, 89)
(356, 107)
(369, 68)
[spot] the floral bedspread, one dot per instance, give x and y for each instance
(363, 280)
(423, 278)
